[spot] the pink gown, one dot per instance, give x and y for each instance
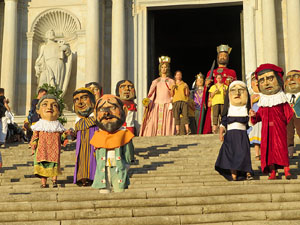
(158, 117)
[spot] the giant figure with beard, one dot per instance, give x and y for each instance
(228, 75)
(292, 89)
(275, 113)
(84, 102)
(113, 144)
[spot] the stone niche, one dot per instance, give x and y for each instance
(53, 47)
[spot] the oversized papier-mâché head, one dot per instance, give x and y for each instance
(223, 54)
(254, 83)
(199, 81)
(96, 89)
(164, 66)
(110, 113)
(48, 108)
(238, 94)
(125, 90)
(292, 81)
(269, 77)
(84, 102)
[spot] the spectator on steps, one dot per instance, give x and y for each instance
(33, 117)
(5, 114)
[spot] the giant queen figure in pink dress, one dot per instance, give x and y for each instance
(158, 117)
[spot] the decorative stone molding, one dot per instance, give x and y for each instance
(63, 22)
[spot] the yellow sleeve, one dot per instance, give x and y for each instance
(212, 89)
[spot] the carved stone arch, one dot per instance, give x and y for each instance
(64, 23)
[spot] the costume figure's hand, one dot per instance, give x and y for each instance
(146, 102)
(208, 82)
(26, 125)
(221, 137)
(252, 113)
(209, 103)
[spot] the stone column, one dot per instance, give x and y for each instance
(118, 65)
(8, 68)
(293, 30)
(249, 39)
(270, 33)
(93, 43)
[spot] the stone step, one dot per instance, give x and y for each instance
(139, 186)
(256, 222)
(234, 218)
(91, 210)
(171, 193)
(170, 184)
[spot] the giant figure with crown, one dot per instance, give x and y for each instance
(158, 117)
(228, 75)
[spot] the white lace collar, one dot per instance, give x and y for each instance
(237, 111)
(272, 100)
(48, 126)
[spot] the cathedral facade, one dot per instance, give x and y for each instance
(72, 42)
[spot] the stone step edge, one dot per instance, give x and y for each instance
(249, 203)
(234, 218)
(152, 194)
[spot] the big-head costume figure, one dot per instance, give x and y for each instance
(46, 140)
(292, 89)
(275, 113)
(228, 75)
(113, 144)
(126, 92)
(234, 161)
(158, 114)
(84, 103)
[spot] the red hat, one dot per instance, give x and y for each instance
(269, 66)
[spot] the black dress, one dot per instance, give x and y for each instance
(235, 150)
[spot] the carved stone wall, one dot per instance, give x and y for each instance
(66, 27)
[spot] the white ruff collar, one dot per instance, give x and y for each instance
(48, 126)
(237, 111)
(272, 100)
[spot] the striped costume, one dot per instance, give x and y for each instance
(85, 159)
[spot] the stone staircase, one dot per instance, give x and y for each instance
(173, 182)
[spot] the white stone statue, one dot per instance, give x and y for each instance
(53, 65)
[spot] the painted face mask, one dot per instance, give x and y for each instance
(110, 114)
(48, 109)
(292, 82)
(238, 95)
(268, 83)
(127, 91)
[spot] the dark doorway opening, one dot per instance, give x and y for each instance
(190, 37)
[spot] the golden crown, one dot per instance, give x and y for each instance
(164, 59)
(224, 48)
(199, 75)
